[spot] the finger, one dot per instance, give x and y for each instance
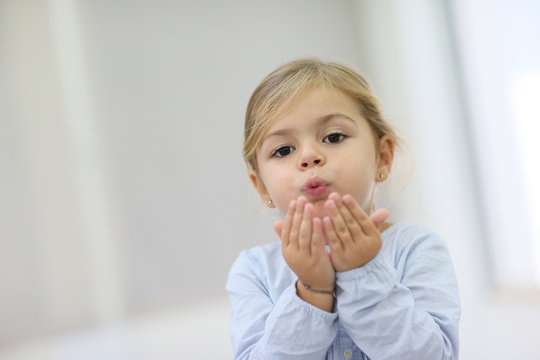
(379, 217)
(340, 227)
(367, 225)
(286, 227)
(350, 221)
(296, 222)
(278, 227)
(317, 239)
(304, 242)
(331, 237)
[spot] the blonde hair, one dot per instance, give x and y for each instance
(288, 82)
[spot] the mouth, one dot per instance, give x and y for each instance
(315, 188)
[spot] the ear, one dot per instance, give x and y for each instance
(261, 189)
(385, 157)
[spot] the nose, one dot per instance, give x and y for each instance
(309, 158)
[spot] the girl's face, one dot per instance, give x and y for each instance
(322, 145)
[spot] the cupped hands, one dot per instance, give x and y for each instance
(354, 238)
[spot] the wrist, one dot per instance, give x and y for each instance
(321, 300)
(331, 291)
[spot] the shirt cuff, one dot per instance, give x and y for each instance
(307, 307)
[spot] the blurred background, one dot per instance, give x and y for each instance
(124, 198)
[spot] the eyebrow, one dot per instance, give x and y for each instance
(323, 120)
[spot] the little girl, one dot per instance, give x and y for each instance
(341, 283)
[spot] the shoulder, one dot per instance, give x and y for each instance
(262, 264)
(261, 269)
(260, 257)
(405, 228)
(405, 241)
(405, 234)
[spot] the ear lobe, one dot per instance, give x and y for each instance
(261, 189)
(256, 182)
(386, 155)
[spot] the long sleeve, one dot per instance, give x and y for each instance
(268, 319)
(408, 310)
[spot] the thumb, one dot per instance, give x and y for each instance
(278, 226)
(379, 217)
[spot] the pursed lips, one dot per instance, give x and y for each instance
(315, 188)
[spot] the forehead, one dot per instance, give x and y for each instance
(314, 104)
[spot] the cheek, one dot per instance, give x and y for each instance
(358, 181)
(278, 187)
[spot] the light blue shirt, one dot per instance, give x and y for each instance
(403, 304)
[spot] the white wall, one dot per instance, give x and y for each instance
(412, 58)
(127, 198)
(127, 193)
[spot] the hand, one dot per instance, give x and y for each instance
(302, 245)
(354, 238)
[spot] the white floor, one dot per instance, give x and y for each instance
(196, 333)
(489, 331)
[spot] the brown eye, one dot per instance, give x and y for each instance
(334, 138)
(283, 151)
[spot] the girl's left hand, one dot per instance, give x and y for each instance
(353, 236)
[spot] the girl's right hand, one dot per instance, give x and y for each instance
(302, 245)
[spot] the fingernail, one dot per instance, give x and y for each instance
(348, 199)
(334, 196)
(331, 204)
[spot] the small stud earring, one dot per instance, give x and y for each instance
(381, 175)
(269, 202)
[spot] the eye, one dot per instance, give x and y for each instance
(283, 151)
(334, 138)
